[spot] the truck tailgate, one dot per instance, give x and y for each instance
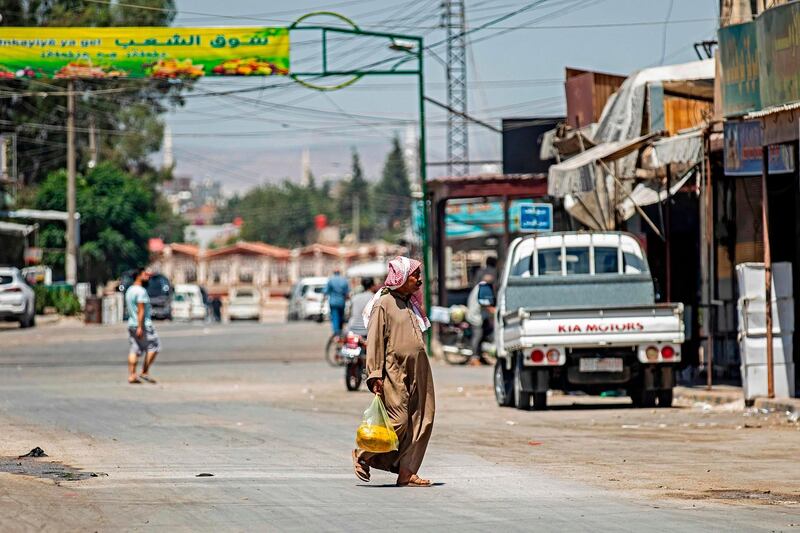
(620, 326)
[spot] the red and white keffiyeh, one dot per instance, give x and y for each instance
(399, 269)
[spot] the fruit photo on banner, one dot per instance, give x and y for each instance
(143, 52)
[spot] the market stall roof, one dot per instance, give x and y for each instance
(773, 109)
(576, 174)
(684, 148)
(488, 185)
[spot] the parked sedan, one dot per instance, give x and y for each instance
(244, 304)
(17, 301)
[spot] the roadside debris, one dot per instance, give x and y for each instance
(35, 452)
(204, 474)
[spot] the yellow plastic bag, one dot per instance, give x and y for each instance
(376, 433)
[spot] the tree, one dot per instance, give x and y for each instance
(117, 219)
(282, 215)
(393, 192)
(128, 120)
(356, 191)
(169, 226)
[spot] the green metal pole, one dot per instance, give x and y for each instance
(423, 174)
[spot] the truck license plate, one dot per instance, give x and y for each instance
(601, 364)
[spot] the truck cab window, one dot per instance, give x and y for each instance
(605, 260)
(577, 260)
(633, 264)
(549, 262)
(523, 266)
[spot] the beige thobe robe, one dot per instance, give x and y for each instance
(396, 352)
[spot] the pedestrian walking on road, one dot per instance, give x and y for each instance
(336, 291)
(399, 371)
(480, 316)
(141, 334)
(358, 303)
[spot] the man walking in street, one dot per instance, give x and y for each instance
(337, 291)
(399, 371)
(358, 303)
(481, 317)
(141, 335)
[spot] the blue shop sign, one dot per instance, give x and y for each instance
(743, 150)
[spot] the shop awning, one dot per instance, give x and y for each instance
(577, 174)
(648, 194)
(685, 148)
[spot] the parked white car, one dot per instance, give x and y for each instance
(244, 304)
(307, 301)
(17, 300)
(187, 303)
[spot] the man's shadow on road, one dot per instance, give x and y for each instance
(395, 486)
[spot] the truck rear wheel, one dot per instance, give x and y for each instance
(642, 397)
(503, 384)
(522, 399)
(665, 397)
(539, 401)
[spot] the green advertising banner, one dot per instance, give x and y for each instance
(740, 74)
(779, 54)
(145, 52)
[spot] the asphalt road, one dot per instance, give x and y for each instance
(255, 405)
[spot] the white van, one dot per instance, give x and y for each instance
(187, 303)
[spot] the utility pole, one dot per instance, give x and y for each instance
(767, 269)
(455, 22)
(92, 143)
(71, 262)
(357, 218)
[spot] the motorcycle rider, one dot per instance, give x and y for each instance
(481, 318)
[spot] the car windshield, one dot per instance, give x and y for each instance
(180, 297)
(244, 294)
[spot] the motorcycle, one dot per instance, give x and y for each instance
(455, 335)
(353, 354)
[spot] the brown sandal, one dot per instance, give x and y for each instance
(416, 481)
(361, 469)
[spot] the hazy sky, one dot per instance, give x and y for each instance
(245, 139)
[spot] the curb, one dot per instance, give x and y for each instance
(711, 397)
(790, 405)
(721, 397)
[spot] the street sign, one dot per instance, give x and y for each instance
(536, 217)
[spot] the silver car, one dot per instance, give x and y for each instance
(17, 301)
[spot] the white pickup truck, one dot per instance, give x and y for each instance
(576, 312)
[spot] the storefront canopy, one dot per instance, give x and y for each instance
(577, 174)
